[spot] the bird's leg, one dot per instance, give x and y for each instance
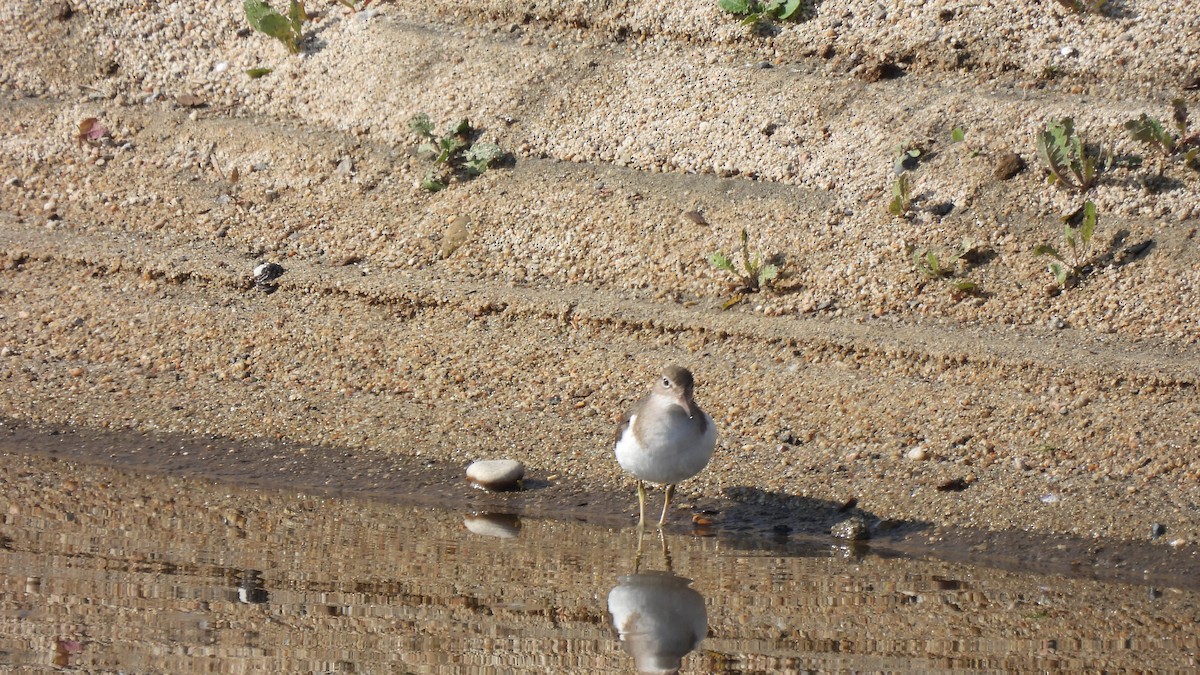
(666, 504)
(637, 558)
(662, 539)
(641, 504)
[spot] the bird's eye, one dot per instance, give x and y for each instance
(667, 382)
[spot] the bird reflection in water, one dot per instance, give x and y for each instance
(659, 617)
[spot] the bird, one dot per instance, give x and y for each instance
(665, 437)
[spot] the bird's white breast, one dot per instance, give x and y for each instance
(667, 452)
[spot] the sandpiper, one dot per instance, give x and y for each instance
(665, 437)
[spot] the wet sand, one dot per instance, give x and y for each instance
(746, 515)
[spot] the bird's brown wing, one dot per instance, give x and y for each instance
(624, 423)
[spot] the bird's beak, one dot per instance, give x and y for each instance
(688, 405)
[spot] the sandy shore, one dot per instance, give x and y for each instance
(127, 300)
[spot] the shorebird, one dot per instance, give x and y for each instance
(665, 437)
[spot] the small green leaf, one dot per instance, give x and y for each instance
(931, 263)
(460, 128)
(789, 9)
(297, 16)
(965, 286)
(1047, 249)
(901, 196)
(750, 265)
(433, 183)
(446, 147)
(266, 20)
(721, 262)
(1089, 223)
(256, 73)
(767, 273)
(1060, 273)
(420, 125)
(481, 155)
(1069, 237)
(952, 259)
(737, 7)
(256, 10)
(957, 135)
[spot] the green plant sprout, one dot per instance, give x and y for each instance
(755, 275)
(1069, 268)
(1081, 6)
(906, 158)
(957, 135)
(754, 11)
(452, 152)
(929, 265)
(1152, 132)
(901, 204)
(1070, 161)
(480, 156)
(287, 29)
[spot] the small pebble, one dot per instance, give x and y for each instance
(266, 273)
(497, 475)
(953, 485)
(917, 454)
(853, 528)
(1008, 164)
(456, 235)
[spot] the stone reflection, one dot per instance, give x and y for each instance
(500, 525)
(658, 616)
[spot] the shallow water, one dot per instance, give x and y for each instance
(109, 569)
